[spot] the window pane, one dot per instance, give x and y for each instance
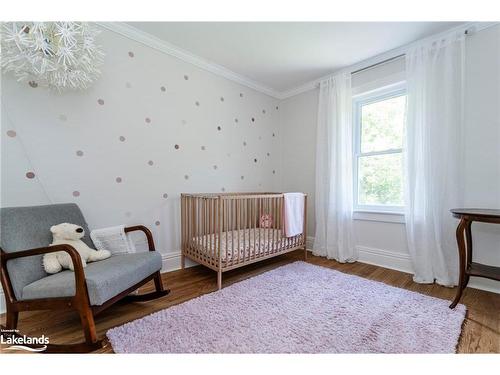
(382, 124)
(380, 180)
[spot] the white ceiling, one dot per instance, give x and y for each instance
(284, 55)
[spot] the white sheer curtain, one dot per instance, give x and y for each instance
(333, 237)
(433, 155)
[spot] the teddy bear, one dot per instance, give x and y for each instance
(70, 234)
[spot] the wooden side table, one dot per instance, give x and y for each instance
(464, 241)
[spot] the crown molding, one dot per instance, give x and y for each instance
(165, 47)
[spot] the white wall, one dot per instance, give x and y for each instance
(298, 121)
(381, 239)
(482, 138)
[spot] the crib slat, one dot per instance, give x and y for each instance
(193, 225)
(220, 222)
(276, 221)
(245, 222)
(204, 226)
(271, 208)
(210, 231)
(238, 228)
(266, 229)
(214, 221)
(252, 230)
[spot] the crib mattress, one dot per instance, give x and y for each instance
(243, 243)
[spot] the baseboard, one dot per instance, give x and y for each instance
(172, 262)
(384, 258)
(402, 262)
(309, 242)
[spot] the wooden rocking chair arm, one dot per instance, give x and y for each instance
(43, 250)
(80, 283)
(146, 231)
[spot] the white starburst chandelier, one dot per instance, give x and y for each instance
(60, 55)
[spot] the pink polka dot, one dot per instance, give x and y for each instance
(244, 143)
(255, 160)
(186, 177)
(100, 101)
(235, 120)
(131, 54)
(219, 128)
(197, 103)
(221, 98)
(242, 177)
(122, 138)
(274, 172)
(76, 193)
(79, 153)
(163, 88)
(30, 175)
(202, 148)
(215, 167)
(11, 133)
(157, 223)
(33, 84)
(253, 119)
(264, 111)
(118, 179)
(165, 195)
(186, 77)
(241, 95)
(223, 189)
(148, 120)
(176, 147)
(150, 162)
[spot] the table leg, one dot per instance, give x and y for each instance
(462, 260)
(468, 238)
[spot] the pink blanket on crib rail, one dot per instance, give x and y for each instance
(294, 213)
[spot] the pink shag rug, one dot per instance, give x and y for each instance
(298, 308)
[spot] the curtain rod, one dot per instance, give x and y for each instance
(379, 63)
(466, 32)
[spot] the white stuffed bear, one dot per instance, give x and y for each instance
(70, 234)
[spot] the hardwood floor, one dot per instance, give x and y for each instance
(481, 331)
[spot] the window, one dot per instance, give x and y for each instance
(378, 163)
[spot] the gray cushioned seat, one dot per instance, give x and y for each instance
(105, 278)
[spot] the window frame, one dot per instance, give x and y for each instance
(373, 96)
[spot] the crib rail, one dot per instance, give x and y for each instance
(226, 231)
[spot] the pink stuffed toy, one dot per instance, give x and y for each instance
(266, 221)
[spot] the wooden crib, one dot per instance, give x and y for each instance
(231, 230)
